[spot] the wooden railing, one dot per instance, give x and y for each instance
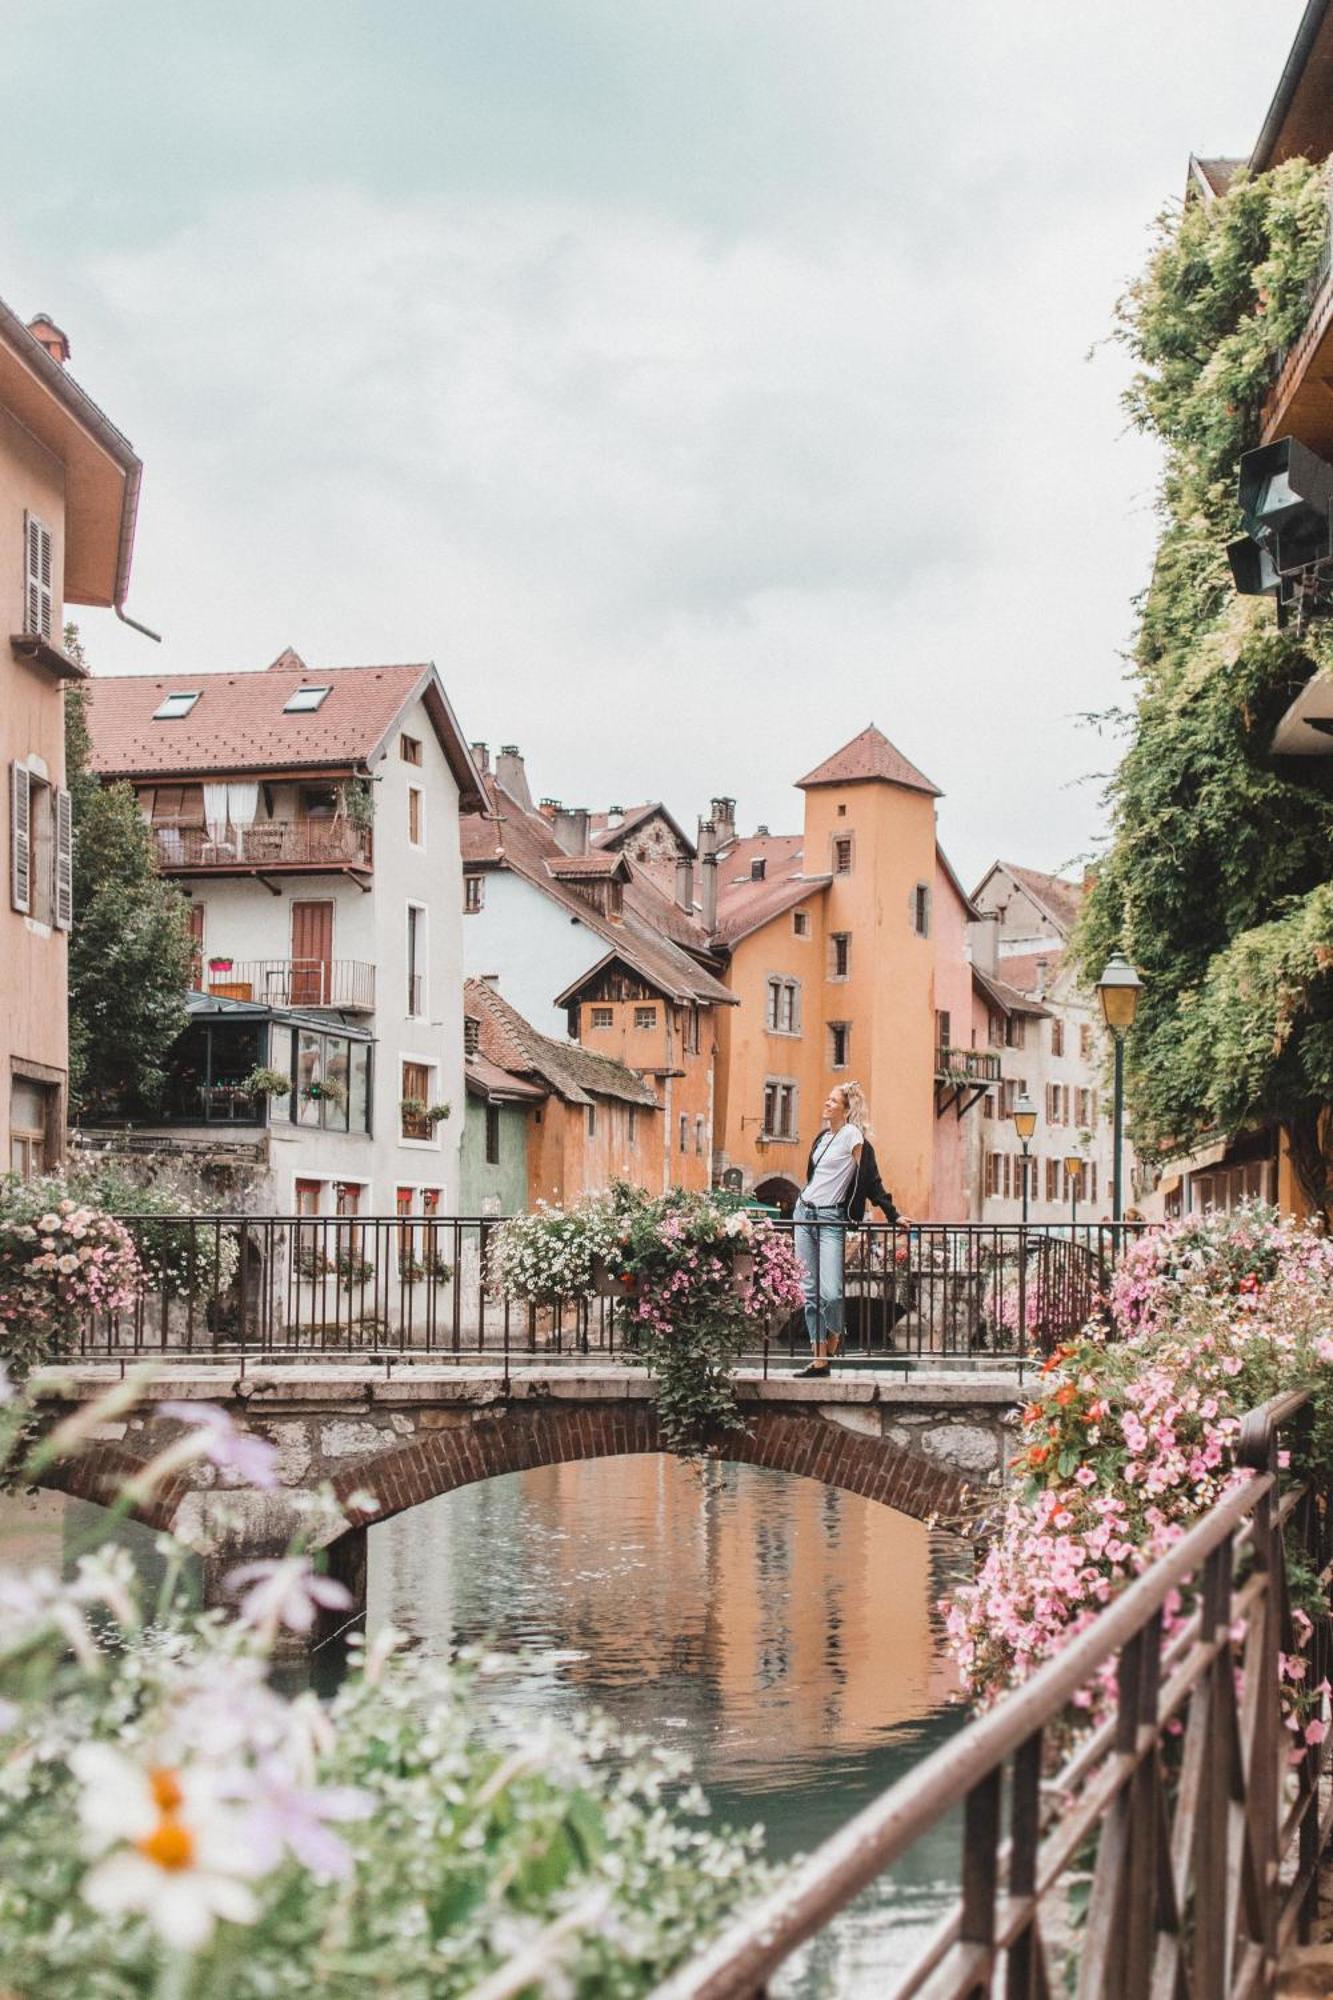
(269, 843)
(973, 1065)
(1189, 1814)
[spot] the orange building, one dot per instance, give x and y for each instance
(842, 969)
(69, 489)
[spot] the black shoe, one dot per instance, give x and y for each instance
(814, 1369)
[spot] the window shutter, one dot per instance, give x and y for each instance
(20, 837)
(64, 897)
(37, 595)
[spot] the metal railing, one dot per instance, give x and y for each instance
(296, 982)
(971, 1065)
(1189, 1816)
(269, 843)
(418, 1284)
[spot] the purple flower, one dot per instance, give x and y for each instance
(285, 1591)
(253, 1460)
(296, 1817)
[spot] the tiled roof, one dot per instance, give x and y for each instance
(1061, 899)
(645, 936)
(1022, 970)
(588, 867)
(238, 723)
(487, 1079)
(509, 1041)
(1006, 997)
(1216, 175)
(744, 904)
(603, 834)
(868, 756)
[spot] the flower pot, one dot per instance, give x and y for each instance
(742, 1270)
(608, 1283)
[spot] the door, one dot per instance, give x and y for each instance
(312, 955)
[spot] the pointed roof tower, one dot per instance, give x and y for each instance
(868, 757)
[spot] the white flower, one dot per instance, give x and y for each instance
(285, 1591)
(173, 1849)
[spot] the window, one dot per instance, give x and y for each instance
(1052, 1180)
(995, 1030)
(840, 954)
(1057, 1038)
(33, 1109)
(800, 923)
(471, 1034)
(415, 1102)
(492, 1135)
(988, 1105)
(943, 1030)
(173, 706)
(684, 1133)
(415, 816)
(921, 910)
(474, 894)
(1085, 1041)
(633, 1123)
(1092, 1180)
(842, 855)
(308, 1195)
(992, 1173)
(592, 1121)
(690, 1032)
(603, 1017)
(839, 1042)
(779, 1109)
(645, 1017)
(758, 868)
(1083, 1107)
(1005, 1179)
(416, 959)
(195, 913)
(783, 1010)
(304, 700)
(409, 749)
(842, 812)
(699, 1128)
(37, 615)
(1016, 1032)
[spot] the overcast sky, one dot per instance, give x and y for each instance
(695, 381)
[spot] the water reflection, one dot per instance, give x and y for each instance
(780, 1631)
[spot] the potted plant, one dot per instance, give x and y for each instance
(435, 1113)
(328, 1088)
(611, 1281)
(413, 1269)
(265, 1082)
(221, 964)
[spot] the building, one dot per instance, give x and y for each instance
(556, 1120)
(69, 494)
(584, 942)
(1045, 1027)
(311, 819)
(843, 969)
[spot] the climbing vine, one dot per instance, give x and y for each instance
(1218, 876)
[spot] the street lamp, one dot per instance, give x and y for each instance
(1074, 1170)
(1025, 1124)
(1118, 990)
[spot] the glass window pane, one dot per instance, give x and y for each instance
(337, 1082)
(309, 1074)
(359, 1092)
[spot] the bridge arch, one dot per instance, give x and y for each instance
(439, 1461)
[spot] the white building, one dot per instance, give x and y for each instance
(311, 818)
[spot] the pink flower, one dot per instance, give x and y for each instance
(253, 1460)
(285, 1591)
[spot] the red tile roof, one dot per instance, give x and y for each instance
(869, 756)
(744, 904)
(515, 1047)
(1006, 997)
(238, 723)
(1060, 898)
(1022, 970)
(589, 867)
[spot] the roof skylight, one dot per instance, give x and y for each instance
(304, 699)
(173, 706)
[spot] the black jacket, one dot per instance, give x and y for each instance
(867, 1187)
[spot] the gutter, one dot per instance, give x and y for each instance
(1306, 36)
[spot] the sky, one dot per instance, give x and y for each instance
(694, 381)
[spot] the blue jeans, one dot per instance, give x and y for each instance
(821, 1243)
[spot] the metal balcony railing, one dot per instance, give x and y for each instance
(974, 1065)
(271, 843)
(346, 983)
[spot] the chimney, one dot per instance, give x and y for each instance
(548, 808)
(708, 875)
(52, 339)
(510, 774)
(761, 833)
(724, 819)
(983, 937)
(570, 827)
(685, 882)
(481, 757)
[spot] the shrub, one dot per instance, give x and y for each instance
(60, 1260)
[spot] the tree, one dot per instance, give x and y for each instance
(1217, 881)
(130, 949)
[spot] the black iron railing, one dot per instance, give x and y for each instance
(353, 1285)
(1174, 1850)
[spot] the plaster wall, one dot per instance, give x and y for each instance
(494, 1189)
(536, 948)
(952, 991)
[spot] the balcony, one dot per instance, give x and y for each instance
(1299, 404)
(309, 845)
(966, 1066)
(347, 984)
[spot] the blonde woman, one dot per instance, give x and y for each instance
(841, 1177)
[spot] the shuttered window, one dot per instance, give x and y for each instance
(64, 897)
(37, 590)
(20, 837)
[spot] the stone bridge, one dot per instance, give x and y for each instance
(933, 1446)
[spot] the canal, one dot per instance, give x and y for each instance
(778, 1632)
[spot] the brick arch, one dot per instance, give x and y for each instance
(101, 1471)
(438, 1461)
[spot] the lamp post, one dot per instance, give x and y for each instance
(1118, 990)
(1025, 1124)
(1074, 1169)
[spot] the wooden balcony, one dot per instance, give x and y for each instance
(273, 846)
(1300, 404)
(347, 984)
(967, 1066)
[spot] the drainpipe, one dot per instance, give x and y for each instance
(708, 875)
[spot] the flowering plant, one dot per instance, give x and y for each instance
(60, 1260)
(1128, 1440)
(171, 1824)
(699, 1272)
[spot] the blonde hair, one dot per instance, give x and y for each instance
(854, 1104)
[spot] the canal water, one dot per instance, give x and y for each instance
(778, 1632)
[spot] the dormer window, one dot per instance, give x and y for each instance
(173, 706)
(304, 700)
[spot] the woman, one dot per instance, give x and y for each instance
(841, 1177)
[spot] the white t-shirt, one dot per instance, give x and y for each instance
(834, 1167)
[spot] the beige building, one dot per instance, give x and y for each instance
(69, 490)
